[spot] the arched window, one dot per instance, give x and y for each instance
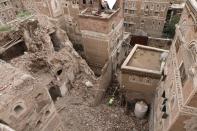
(193, 49)
(18, 109)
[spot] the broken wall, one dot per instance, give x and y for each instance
(31, 107)
(104, 81)
(159, 43)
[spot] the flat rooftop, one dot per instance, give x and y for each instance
(105, 14)
(144, 59)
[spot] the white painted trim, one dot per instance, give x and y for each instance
(124, 65)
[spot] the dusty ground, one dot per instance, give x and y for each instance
(77, 115)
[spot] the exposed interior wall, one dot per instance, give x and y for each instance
(159, 43)
(55, 41)
(14, 51)
(104, 81)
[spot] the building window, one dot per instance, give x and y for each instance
(126, 11)
(163, 8)
(125, 24)
(146, 7)
(177, 45)
(74, 1)
(156, 13)
(182, 74)
(172, 102)
(90, 2)
(145, 12)
(133, 5)
(157, 8)
(159, 25)
(132, 11)
(164, 108)
(152, 7)
(84, 1)
(5, 3)
(18, 109)
(113, 26)
(142, 24)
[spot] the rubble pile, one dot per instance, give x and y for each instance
(63, 68)
(10, 36)
(53, 63)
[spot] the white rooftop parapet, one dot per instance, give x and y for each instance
(177, 6)
(194, 4)
(5, 128)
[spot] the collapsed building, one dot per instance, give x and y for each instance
(25, 104)
(46, 67)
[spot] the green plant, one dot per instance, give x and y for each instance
(169, 31)
(5, 28)
(23, 14)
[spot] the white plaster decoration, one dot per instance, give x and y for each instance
(56, 7)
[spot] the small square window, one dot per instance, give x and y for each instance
(177, 45)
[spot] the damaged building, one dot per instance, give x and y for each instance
(25, 104)
(40, 78)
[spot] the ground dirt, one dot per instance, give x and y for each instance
(76, 114)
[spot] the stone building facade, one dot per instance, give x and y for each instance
(175, 104)
(177, 1)
(141, 73)
(145, 15)
(102, 32)
(7, 11)
(63, 13)
(25, 105)
(71, 12)
(51, 8)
